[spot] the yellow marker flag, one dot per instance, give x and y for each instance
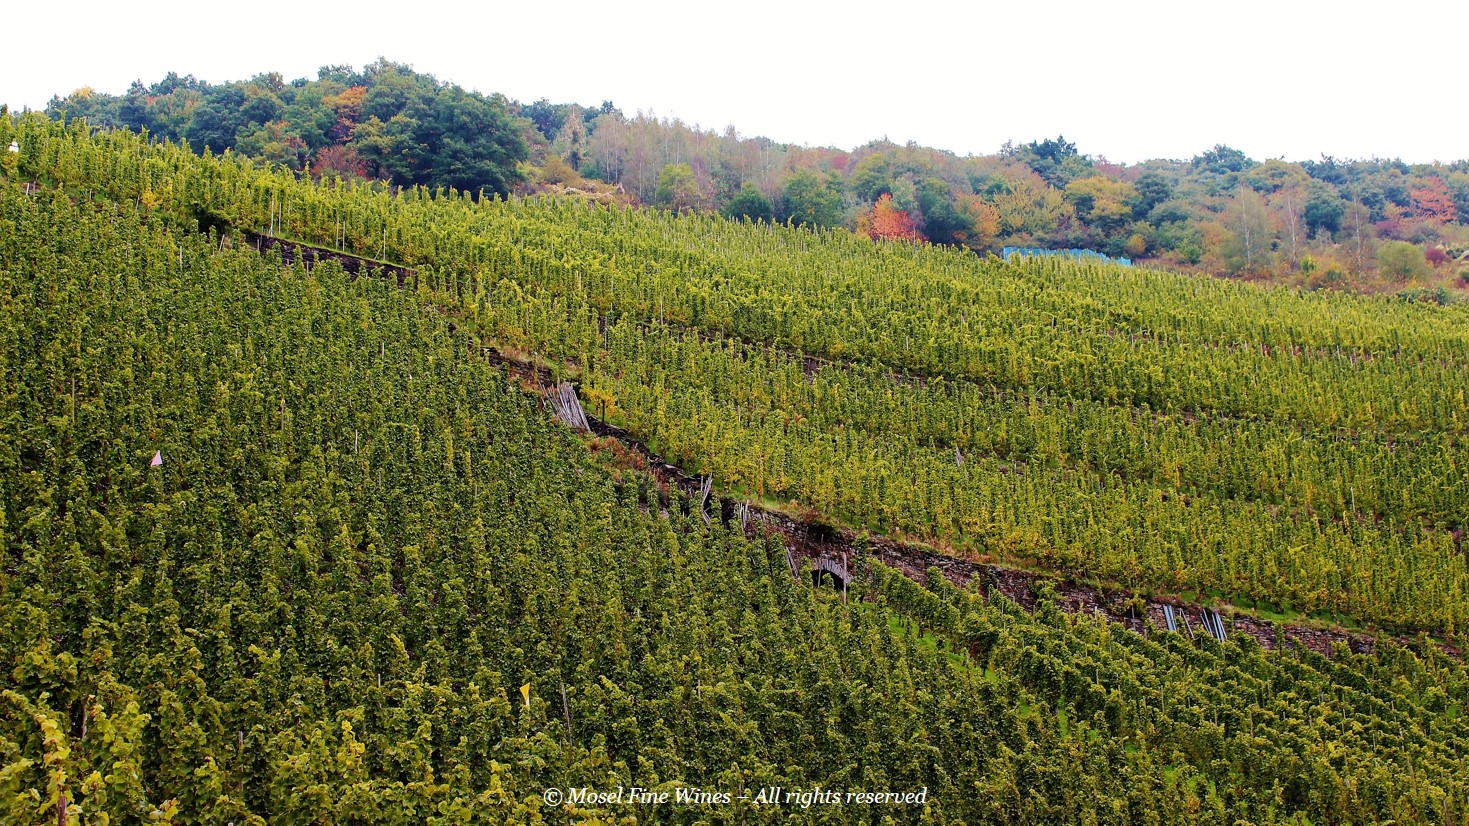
(525, 692)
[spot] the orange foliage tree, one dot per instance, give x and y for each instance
(347, 106)
(340, 160)
(885, 220)
(1434, 201)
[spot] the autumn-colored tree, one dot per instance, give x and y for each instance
(885, 220)
(1434, 201)
(1028, 206)
(1435, 256)
(342, 161)
(983, 219)
(1102, 202)
(347, 106)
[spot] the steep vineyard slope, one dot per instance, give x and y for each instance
(280, 545)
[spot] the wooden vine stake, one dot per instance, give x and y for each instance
(568, 408)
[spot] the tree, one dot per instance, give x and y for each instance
(389, 148)
(1152, 189)
(1274, 175)
(96, 109)
(678, 189)
(214, 124)
(939, 218)
(346, 106)
(1246, 249)
(1029, 206)
(557, 171)
(571, 140)
(750, 203)
(1401, 261)
(549, 118)
(1434, 201)
(310, 115)
(392, 88)
(1173, 210)
(870, 178)
(1056, 161)
(1289, 201)
(810, 201)
(1104, 203)
(1458, 184)
(1324, 210)
(261, 105)
(275, 142)
(1222, 160)
(472, 143)
(885, 220)
(342, 161)
(1183, 238)
(134, 108)
(983, 222)
(607, 148)
(1327, 170)
(1357, 226)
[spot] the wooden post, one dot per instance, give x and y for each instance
(568, 408)
(847, 571)
(704, 489)
(566, 712)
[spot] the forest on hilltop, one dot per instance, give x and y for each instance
(1375, 225)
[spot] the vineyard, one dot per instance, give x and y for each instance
(282, 545)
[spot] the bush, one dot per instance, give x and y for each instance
(1401, 261)
(1437, 295)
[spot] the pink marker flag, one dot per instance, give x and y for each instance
(157, 459)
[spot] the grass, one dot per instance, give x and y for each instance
(929, 643)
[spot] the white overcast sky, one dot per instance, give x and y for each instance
(1129, 80)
